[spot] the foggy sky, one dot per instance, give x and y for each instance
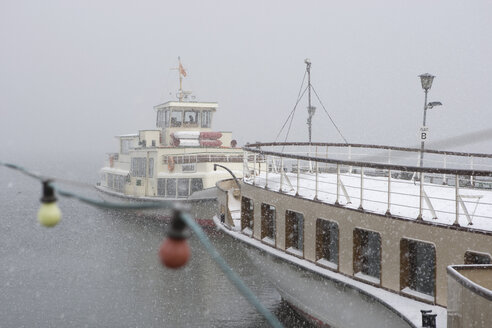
(73, 74)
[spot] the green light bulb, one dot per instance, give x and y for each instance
(49, 214)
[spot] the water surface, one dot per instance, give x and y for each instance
(99, 268)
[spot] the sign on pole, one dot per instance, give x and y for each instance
(424, 133)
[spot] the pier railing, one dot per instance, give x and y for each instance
(450, 188)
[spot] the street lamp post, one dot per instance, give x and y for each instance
(426, 80)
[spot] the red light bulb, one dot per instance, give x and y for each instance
(174, 253)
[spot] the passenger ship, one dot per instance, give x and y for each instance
(174, 161)
(350, 240)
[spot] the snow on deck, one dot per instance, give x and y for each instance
(404, 196)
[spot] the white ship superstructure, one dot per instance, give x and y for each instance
(176, 159)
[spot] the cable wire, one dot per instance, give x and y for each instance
(218, 259)
(332, 121)
(231, 275)
(299, 96)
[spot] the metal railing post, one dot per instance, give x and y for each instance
(254, 169)
(471, 168)
(388, 211)
(326, 166)
(266, 171)
(281, 173)
(316, 184)
(421, 196)
(456, 200)
(245, 165)
(338, 185)
(361, 207)
(350, 158)
(298, 173)
(444, 175)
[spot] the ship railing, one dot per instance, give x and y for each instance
(204, 158)
(453, 196)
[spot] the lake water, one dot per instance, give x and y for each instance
(99, 268)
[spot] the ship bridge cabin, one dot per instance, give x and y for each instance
(174, 116)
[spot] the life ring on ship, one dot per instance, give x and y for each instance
(170, 163)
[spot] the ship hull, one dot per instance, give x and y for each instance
(324, 302)
(203, 205)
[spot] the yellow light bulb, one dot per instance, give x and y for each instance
(49, 214)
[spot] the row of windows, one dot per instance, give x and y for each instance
(116, 182)
(139, 165)
(177, 188)
(187, 118)
(417, 258)
(126, 145)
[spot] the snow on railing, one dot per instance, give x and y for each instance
(453, 195)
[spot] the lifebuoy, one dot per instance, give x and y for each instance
(210, 143)
(170, 163)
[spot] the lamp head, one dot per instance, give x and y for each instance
(433, 104)
(426, 80)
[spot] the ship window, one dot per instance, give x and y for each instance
(247, 215)
(183, 187)
(268, 223)
(171, 188)
(367, 255)
(151, 167)
(191, 118)
(139, 182)
(326, 241)
(196, 185)
(417, 267)
(206, 119)
(294, 232)
(161, 187)
(138, 167)
(116, 182)
(121, 183)
(176, 118)
(160, 119)
(125, 145)
(477, 258)
(110, 180)
(166, 118)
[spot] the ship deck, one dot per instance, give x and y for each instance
(404, 196)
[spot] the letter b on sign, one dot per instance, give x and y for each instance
(424, 134)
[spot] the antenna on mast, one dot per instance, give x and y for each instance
(311, 109)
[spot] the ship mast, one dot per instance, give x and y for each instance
(311, 109)
(182, 73)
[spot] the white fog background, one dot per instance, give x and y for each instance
(73, 74)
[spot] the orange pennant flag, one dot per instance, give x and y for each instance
(182, 70)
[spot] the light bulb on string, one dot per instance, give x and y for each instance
(49, 213)
(175, 251)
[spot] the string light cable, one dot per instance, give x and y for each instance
(174, 251)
